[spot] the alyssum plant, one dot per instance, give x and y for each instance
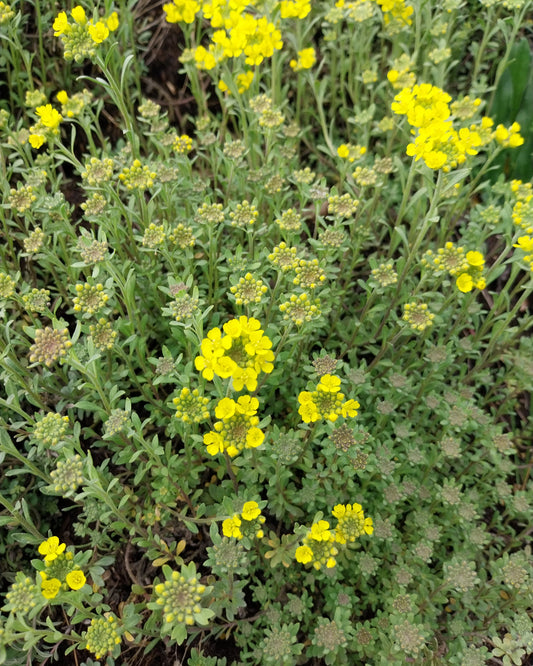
(265, 374)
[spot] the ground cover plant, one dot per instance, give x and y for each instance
(265, 280)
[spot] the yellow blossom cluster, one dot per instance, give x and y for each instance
(241, 352)
(237, 428)
(473, 275)
(319, 545)
(522, 217)
(326, 402)
(72, 106)
(47, 126)
(248, 523)
(466, 267)
(81, 37)
(60, 571)
(437, 142)
(240, 29)
(306, 59)
(396, 10)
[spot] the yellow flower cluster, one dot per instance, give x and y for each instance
(90, 298)
(509, 138)
(396, 10)
(417, 316)
(522, 216)
(235, 528)
(306, 59)
(243, 80)
(437, 142)
(319, 546)
(81, 37)
(182, 144)
(402, 76)
(47, 126)
(326, 402)
(239, 29)
(71, 107)
(137, 177)
(242, 352)
(295, 8)
(191, 407)
(6, 13)
(237, 428)
(350, 152)
(102, 636)
(60, 571)
(248, 290)
(473, 276)
(467, 267)
(50, 345)
(300, 308)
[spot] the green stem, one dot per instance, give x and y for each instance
(17, 515)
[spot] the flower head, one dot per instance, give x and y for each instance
(49, 116)
(22, 595)
(306, 59)
(51, 548)
(318, 546)
(351, 522)
(417, 316)
(326, 401)
(81, 38)
(68, 475)
(49, 586)
(49, 346)
(180, 596)
(191, 407)
(237, 428)
(242, 352)
(102, 636)
(75, 579)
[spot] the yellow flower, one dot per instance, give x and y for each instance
(351, 522)
(306, 59)
(250, 510)
(308, 409)
(304, 554)
(49, 586)
(78, 14)
(36, 140)
(525, 243)
(349, 408)
(475, 259)
(61, 24)
(244, 81)
(62, 97)
(51, 548)
(225, 408)
(254, 438)
(231, 527)
(76, 579)
(214, 443)
(343, 150)
(320, 531)
(329, 383)
(112, 21)
(247, 405)
(49, 116)
(465, 283)
(99, 32)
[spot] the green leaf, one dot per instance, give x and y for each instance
(179, 633)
